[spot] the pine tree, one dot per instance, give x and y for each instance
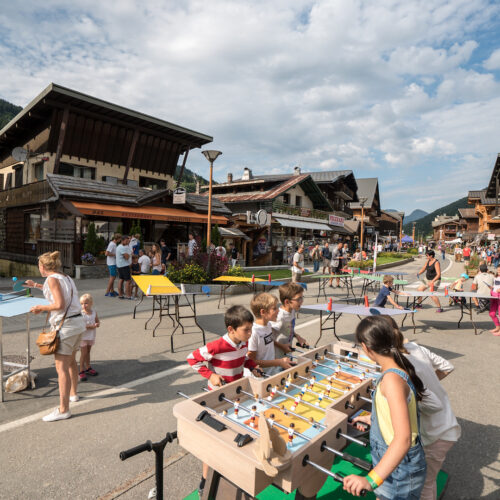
(91, 242)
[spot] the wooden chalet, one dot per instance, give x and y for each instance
(487, 204)
(299, 213)
(88, 159)
(368, 204)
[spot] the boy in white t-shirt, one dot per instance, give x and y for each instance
(111, 263)
(264, 307)
(144, 262)
(291, 297)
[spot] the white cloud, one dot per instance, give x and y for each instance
(493, 62)
(380, 87)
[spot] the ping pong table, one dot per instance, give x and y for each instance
(336, 310)
(251, 283)
(346, 279)
(169, 301)
(374, 281)
(11, 305)
(465, 307)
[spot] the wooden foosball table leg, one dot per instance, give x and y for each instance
(300, 496)
(217, 487)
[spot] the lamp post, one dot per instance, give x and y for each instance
(362, 202)
(413, 233)
(211, 155)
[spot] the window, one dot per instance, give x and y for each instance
(77, 171)
(18, 176)
(286, 199)
(131, 182)
(38, 171)
(298, 201)
(8, 182)
(151, 183)
(1, 182)
(109, 179)
(31, 228)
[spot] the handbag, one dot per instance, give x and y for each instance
(48, 342)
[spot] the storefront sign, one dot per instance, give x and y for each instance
(305, 212)
(491, 236)
(334, 220)
(179, 196)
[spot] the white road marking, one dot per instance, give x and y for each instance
(102, 394)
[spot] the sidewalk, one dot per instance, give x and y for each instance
(132, 399)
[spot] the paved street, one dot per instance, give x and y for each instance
(132, 398)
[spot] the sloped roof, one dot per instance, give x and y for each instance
(287, 181)
(367, 188)
(475, 194)
(329, 176)
(468, 213)
(491, 189)
(444, 219)
(76, 188)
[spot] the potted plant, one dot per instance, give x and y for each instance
(88, 259)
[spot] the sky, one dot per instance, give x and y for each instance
(407, 91)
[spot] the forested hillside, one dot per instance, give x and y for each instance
(7, 112)
(424, 225)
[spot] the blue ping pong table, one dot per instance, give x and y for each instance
(12, 305)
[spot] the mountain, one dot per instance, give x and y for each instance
(7, 112)
(424, 225)
(415, 215)
(189, 179)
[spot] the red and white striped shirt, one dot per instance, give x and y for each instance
(223, 357)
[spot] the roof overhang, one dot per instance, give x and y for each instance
(100, 131)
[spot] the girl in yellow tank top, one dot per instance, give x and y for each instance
(398, 458)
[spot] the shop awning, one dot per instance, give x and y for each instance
(146, 212)
(301, 224)
(233, 232)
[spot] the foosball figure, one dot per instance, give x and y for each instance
(287, 383)
(253, 414)
(328, 387)
(236, 405)
(304, 389)
(284, 410)
(270, 420)
(312, 381)
(291, 434)
(320, 398)
(296, 402)
(274, 390)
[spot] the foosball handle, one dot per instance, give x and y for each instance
(243, 439)
(207, 419)
(362, 464)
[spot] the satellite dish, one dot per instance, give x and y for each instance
(261, 217)
(19, 154)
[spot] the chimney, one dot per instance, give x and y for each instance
(197, 187)
(296, 171)
(229, 177)
(247, 174)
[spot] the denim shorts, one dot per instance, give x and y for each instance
(112, 271)
(407, 479)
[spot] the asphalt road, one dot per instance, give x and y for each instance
(132, 398)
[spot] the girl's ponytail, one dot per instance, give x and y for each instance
(404, 363)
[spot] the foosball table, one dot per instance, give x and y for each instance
(284, 430)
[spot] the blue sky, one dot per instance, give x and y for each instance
(406, 91)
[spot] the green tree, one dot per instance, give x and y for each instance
(91, 243)
(215, 237)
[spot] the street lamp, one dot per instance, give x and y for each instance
(362, 202)
(211, 155)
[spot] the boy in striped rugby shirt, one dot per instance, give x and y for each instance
(223, 360)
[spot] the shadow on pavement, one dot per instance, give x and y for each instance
(475, 453)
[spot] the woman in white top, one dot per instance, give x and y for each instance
(439, 429)
(62, 295)
(156, 259)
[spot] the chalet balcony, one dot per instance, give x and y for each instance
(283, 208)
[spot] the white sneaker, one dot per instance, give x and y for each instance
(56, 415)
(74, 399)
